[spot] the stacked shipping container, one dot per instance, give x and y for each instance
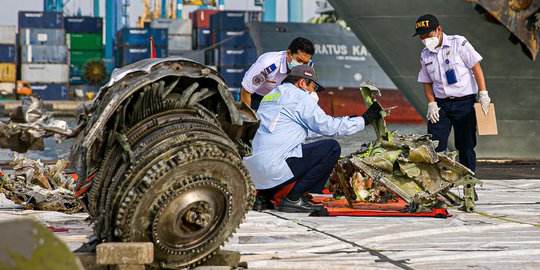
(84, 38)
(8, 59)
(179, 32)
(233, 49)
(132, 44)
(201, 28)
(43, 53)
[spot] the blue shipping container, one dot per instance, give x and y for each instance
(8, 53)
(49, 91)
(131, 54)
(233, 75)
(210, 57)
(43, 54)
(137, 36)
(236, 56)
(83, 25)
(233, 20)
(203, 38)
(41, 36)
(37, 19)
(77, 80)
(233, 39)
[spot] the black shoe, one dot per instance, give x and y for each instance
(262, 203)
(299, 206)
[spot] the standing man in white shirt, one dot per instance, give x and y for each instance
(452, 77)
(271, 68)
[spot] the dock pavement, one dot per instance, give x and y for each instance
(504, 233)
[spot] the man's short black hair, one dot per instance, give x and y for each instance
(302, 44)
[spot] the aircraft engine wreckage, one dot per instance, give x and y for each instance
(406, 166)
(160, 160)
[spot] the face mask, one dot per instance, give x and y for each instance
(292, 64)
(431, 43)
(314, 96)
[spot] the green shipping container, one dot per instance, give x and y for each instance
(78, 58)
(84, 41)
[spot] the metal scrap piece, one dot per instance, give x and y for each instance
(407, 166)
(519, 17)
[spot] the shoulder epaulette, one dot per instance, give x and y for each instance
(269, 69)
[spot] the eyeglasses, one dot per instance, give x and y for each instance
(315, 87)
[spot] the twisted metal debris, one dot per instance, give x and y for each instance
(406, 166)
(33, 185)
(29, 124)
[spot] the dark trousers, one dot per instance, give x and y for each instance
(312, 170)
(256, 101)
(457, 113)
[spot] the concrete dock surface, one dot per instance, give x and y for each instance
(504, 233)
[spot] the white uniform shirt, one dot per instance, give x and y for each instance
(461, 57)
(259, 80)
(288, 115)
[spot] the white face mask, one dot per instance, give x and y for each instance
(431, 43)
(314, 96)
(292, 64)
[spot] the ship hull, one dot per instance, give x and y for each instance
(385, 27)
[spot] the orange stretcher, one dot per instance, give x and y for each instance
(364, 209)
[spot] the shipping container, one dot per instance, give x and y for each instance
(8, 72)
(7, 88)
(137, 36)
(174, 26)
(45, 73)
(84, 24)
(233, 20)
(210, 57)
(180, 27)
(43, 54)
(49, 91)
(201, 18)
(179, 43)
(203, 38)
(77, 80)
(131, 54)
(8, 34)
(41, 36)
(160, 23)
(8, 53)
(79, 58)
(37, 19)
(232, 39)
(236, 56)
(197, 56)
(91, 42)
(233, 75)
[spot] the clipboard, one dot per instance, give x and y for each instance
(486, 124)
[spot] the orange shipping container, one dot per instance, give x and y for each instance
(7, 72)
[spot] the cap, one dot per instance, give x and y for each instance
(425, 24)
(306, 72)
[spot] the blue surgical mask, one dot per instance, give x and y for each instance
(292, 64)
